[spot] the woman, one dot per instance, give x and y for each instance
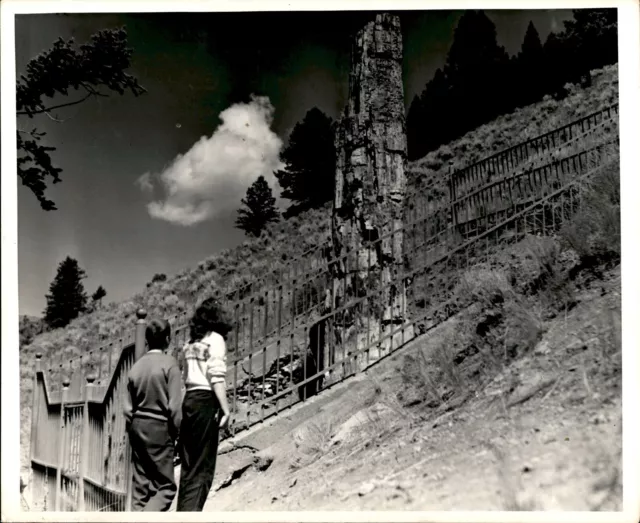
(205, 410)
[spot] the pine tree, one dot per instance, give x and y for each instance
(591, 39)
(310, 163)
(259, 208)
(476, 70)
(530, 74)
(439, 127)
(66, 299)
(415, 130)
(556, 65)
(97, 296)
(531, 47)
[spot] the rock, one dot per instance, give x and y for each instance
(353, 426)
(366, 488)
(262, 461)
(599, 419)
(542, 348)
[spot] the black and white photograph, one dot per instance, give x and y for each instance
(311, 259)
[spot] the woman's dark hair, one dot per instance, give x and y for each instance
(158, 334)
(209, 317)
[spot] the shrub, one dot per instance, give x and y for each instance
(507, 324)
(549, 279)
(594, 231)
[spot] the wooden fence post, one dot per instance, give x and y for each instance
(35, 409)
(61, 444)
(139, 350)
(84, 455)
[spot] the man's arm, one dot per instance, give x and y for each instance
(174, 378)
(128, 405)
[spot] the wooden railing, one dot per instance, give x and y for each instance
(80, 455)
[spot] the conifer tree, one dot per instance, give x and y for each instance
(97, 296)
(415, 129)
(530, 71)
(439, 126)
(591, 40)
(475, 70)
(259, 208)
(66, 299)
(308, 178)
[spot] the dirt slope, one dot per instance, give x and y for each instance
(545, 434)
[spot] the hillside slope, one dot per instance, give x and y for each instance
(543, 433)
(290, 238)
(223, 272)
(431, 172)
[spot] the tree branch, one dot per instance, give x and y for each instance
(54, 118)
(92, 91)
(48, 109)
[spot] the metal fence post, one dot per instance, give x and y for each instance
(139, 350)
(84, 449)
(452, 196)
(61, 444)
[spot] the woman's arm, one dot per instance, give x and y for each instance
(217, 373)
(220, 391)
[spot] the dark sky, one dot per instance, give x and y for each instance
(194, 66)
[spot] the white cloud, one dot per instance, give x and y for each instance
(144, 182)
(213, 176)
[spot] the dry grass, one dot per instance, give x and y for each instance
(311, 442)
(505, 325)
(419, 378)
(510, 129)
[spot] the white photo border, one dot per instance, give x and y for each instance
(629, 89)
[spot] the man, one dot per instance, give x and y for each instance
(153, 410)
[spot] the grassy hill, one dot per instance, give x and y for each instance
(289, 239)
(430, 173)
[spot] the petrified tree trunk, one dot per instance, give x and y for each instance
(370, 186)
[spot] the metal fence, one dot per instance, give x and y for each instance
(542, 148)
(291, 339)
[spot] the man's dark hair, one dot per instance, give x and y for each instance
(209, 317)
(158, 334)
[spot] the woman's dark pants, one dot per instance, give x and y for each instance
(198, 448)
